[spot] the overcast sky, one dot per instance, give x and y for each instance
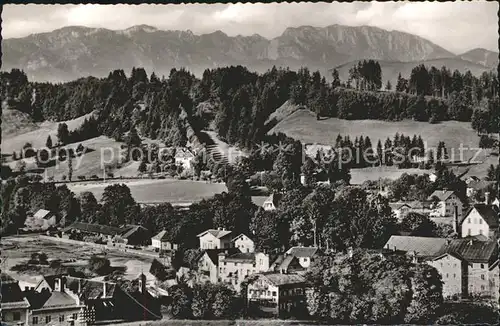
(456, 26)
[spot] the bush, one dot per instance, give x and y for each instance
(94, 177)
(99, 265)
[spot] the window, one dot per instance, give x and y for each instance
(468, 232)
(274, 293)
(454, 275)
(482, 276)
(61, 318)
(17, 315)
(482, 265)
(480, 221)
(268, 292)
(482, 287)
(75, 316)
(35, 320)
(447, 275)
(48, 319)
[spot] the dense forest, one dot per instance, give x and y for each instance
(236, 102)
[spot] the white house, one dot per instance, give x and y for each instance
(42, 220)
(215, 239)
(400, 209)
(480, 219)
(305, 255)
(272, 202)
(243, 243)
(447, 200)
(161, 242)
(233, 269)
(184, 157)
(432, 177)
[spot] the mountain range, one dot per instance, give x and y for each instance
(75, 51)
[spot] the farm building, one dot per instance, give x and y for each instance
(134, 235)
(42, 220)
(161, 242)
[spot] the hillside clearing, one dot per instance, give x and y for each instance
(35, 134)
(156, 191)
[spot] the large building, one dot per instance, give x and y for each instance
(233, 269)
(465, 264)
(208, 264)
(277, 294)
(445, 203)
(480, 219)
(15, 307)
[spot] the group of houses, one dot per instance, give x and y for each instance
(468, 263)
(275, 285)
(68, 300)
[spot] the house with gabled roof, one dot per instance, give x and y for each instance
(234, 268)
(133, 235)
(243, 243)
(305, 255)
(161, 241)
(444, 203)
(277, 295)
(272, 202)
(184, 157)
(40, 221)
(480, 219)
(215, 239)
(59, 305)
(15, 307)
(465, 265)
(208, 263)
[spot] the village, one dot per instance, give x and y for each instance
(274, 285)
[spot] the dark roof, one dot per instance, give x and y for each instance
(129, 230)
(279, 279)
(471, 250)
(90, 289)
(421, 246)
(12, 296)
(488, 212)
(441, 194)
(289, 262)
(94, 228)
(302, 251)
(213, 254)
(241, 257)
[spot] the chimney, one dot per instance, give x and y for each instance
(142, 283)
(57, 285)
(456, 222)
(487, 198)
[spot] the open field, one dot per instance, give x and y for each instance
(36, 134)
(158, 190)
(237, 322)
(302, 125)
(18, 249)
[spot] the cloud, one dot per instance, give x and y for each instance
(456, 26)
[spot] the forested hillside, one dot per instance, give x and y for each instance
(237, 103)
